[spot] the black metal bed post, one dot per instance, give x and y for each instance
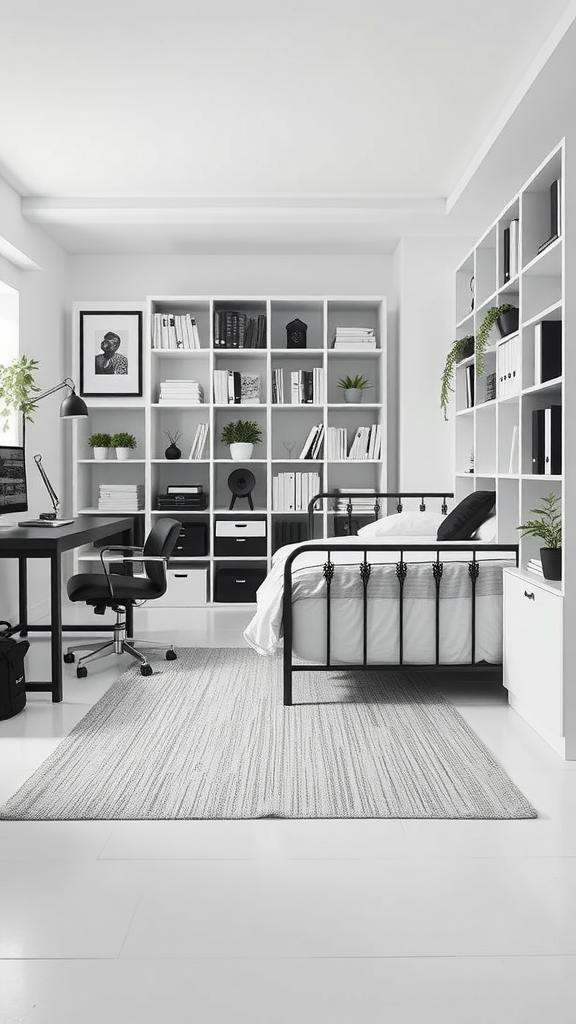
(401, 574)
(473, 572)
(365, 573)
(287, 622)
(437, 570)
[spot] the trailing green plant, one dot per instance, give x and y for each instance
(17, 388)
(548, 525)
(484, 332)
(455, 354)
(123, 440)
(100, 440)
(173, 435)
(359, 382)
(241, 432)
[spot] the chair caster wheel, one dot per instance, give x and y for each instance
(81, 672)
(145, 670)
(171, 655)
(69, 659)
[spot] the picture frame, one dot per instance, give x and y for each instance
(110, 353)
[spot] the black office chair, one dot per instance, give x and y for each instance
(112, 590)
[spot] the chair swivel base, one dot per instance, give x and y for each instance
(121, 644)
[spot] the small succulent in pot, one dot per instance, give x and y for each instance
(241, 435)
(124, 443)
(354, 387)
(100, 442)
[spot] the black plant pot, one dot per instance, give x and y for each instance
(508, 322)
(551, 563)
(468, 349)
(172, 452)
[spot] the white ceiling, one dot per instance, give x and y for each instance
(339, 122)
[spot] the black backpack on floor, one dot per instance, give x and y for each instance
(12, 681)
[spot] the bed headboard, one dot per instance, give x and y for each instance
(345, 500)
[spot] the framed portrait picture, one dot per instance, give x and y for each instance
(110, 354)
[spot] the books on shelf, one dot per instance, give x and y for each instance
(199, 442)
(234, 388)
(313, 443)
(547, 350)
(510, 250)
(469, 370)
(547, 440)
(555, 214)
(509, 363)
(354, 339)
(291, 492)
(306, 387)
(366, 443)
(289, 531)
(175, 330)
(233, 329)
(361, 505)
(121, 497)
(180, 392)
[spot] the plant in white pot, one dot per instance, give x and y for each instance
(548, 527)
(354, 387)
(100, 443)
(124, 443)
(241, 435)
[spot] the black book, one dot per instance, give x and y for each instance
(555, 208)
(547, 350)
(469, 386)
(308, 379)
(553, 440)
(506, 241)
(538, 441)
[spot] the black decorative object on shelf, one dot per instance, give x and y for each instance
(241, 484)
(296, 334)
(173, 451)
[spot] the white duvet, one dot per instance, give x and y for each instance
(265, 629)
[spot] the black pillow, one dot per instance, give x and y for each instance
(468, 515)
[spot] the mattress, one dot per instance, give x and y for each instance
(309, 606)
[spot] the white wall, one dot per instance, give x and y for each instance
(43, 328)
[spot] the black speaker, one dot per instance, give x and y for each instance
(241, 483)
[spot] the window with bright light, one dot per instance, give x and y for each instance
(9, 350)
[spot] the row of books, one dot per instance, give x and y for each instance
(291, 492)
(121, 497)
(199, 442)
(174, 330)
(239, 330)
(313, 443)
(547, 350)
(354, 339)
(511, 263)
(306, 387)
(289, 531)
(509, 364)
(180, 392)
(366, 444)
(547, 440)
(234, 388)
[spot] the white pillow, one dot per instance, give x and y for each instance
(486, 532)
(404, 524)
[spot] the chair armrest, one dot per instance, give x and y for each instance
(140, 557)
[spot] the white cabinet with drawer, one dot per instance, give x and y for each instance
(533, 654)
(185, 588)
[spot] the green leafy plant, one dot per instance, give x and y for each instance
(123, 440)
(484, 331)
(455, 354)
(359, 382)
(241, 432)
(17, 388)
(548, 525)
(100, 440)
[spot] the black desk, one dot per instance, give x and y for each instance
(33, 542)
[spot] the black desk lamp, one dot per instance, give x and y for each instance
(73, 407)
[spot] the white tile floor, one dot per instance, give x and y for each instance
(278, 922)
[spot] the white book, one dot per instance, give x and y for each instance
(513, 450)
(514, 239)
(309, 441)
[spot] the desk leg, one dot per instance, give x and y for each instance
(23, 596)
(56, 627)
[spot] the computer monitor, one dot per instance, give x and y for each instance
(13, 490)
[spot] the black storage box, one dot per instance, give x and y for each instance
(238, 585)
(192, 541)
(240, 538)
(12, 681)
(182, 502)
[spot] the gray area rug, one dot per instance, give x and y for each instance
(207, 736)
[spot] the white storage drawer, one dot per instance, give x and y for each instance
(240, 538)
(533, 653)
(240, 528)
(186, 587)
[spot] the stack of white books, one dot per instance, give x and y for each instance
(199, 442)
(535, 565)
(336, 443)
(356, 339)
(180, 392)
(367, 443)
(364, 506)
(121, 497)
(291, 492)
(313, 443)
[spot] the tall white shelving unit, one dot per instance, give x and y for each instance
(148, 420)
(538, 614)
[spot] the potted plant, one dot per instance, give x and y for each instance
(506, 317)
(17, 388)
(461, 348)
(354, 387)
(100, 443)
(241, 435)
(548, 527)
(123, 443)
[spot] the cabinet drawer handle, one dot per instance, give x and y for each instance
(530, 596)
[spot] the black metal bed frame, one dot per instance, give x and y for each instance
(365, 570)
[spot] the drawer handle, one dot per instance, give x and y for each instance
(530, 596)
(240, 526)
(240, 581)
(241, 540)
(180, 575)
